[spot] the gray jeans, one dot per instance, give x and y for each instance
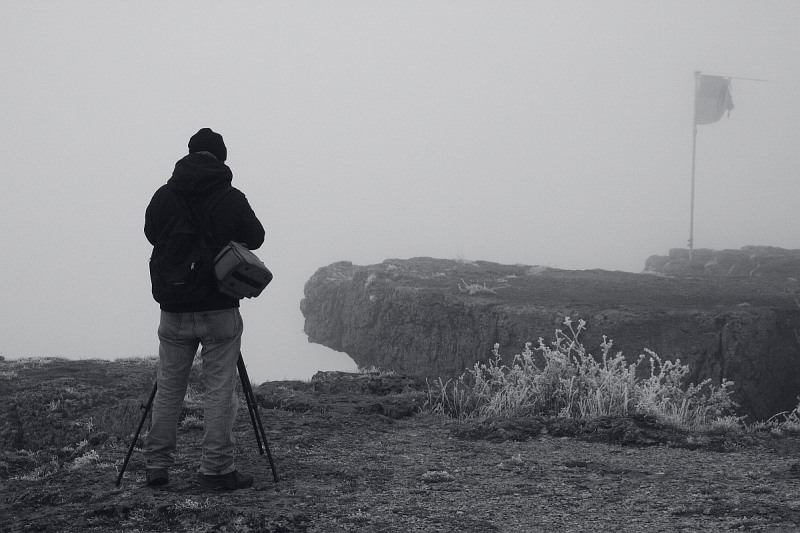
(220, 333)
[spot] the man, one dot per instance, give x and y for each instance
(213, 320)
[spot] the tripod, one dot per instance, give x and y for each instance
(252, 407)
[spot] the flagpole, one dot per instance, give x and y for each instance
(719, 94)
(694, 156)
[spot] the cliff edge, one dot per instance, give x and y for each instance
(435, 318)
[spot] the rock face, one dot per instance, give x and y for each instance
(435, 318)
(764, 262)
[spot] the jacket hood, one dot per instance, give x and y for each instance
(199, 174)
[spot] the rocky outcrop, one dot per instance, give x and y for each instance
(343, 394)
(70, 401)
(435, 318)
(765, 262)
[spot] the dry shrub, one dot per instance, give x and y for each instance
(571, 383)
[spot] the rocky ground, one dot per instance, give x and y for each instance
(354, 454)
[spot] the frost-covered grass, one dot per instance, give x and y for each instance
(474, 288)
(571, 383)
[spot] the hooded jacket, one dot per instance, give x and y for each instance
(196, 177)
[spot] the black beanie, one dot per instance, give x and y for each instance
(207, 140)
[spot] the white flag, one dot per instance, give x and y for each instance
(712, 99)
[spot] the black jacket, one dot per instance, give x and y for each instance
(196, 177)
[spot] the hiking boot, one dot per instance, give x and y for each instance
(157, 477)
(231, 481)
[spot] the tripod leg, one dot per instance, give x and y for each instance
(252, 404)
(264, 438)
(138, 430)
(251, 412)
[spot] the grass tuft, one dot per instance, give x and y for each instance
(475, 288)
(562, 379)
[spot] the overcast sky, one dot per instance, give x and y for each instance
(546, 133)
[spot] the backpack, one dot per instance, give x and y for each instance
(181, 265)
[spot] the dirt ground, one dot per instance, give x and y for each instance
(354, 455)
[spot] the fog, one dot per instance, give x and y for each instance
(545, 133)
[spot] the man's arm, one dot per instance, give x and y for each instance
(151, 225)
(249, 230)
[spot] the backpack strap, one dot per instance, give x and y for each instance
(215, 199)
(210, 205)
(203, 219)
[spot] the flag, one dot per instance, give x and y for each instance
(712, 99)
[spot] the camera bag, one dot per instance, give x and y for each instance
(240, 273)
